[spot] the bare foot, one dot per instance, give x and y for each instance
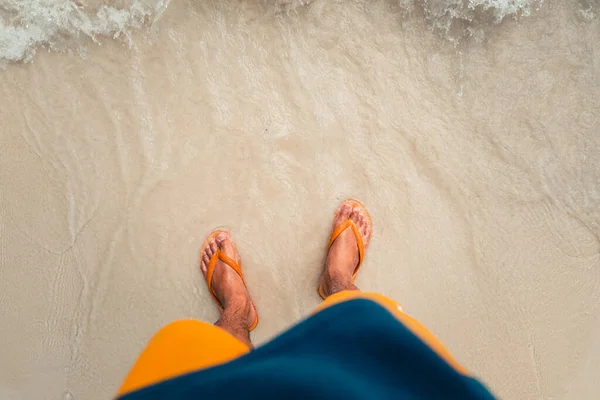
(227, 285)
(343, 257)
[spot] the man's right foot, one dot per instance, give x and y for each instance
(227, 285)
(343, 256)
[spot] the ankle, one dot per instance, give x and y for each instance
(239, 308)
(236, 325)
(333, 284)
(237, 304)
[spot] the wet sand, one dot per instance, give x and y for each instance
(480, 165)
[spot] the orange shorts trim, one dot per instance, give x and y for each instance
(179, 348)
(189, 345)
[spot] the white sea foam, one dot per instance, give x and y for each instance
(460, 9)
(458, 19)
(29, 25)
(60, 25)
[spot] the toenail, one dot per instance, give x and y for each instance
(221, 237)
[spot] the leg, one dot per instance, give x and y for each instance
(343, 258)
(189, 345)
(238, 311)
(233, 320)
(337, 286)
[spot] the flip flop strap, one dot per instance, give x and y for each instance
(211, 269)
(341, 228)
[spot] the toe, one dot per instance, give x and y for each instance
(208, 251)
(361, 218)
(342, 214)
(213, 245)
(367, 236)
(365, 222)
(221, 237)
(355, 216)
(204, 264)
(226, 245)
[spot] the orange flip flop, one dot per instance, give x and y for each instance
(234, 264)
(361, 245)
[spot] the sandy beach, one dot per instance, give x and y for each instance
(478, 158)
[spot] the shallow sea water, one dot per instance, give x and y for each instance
(131, 129)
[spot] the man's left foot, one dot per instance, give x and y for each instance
(343, 255)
